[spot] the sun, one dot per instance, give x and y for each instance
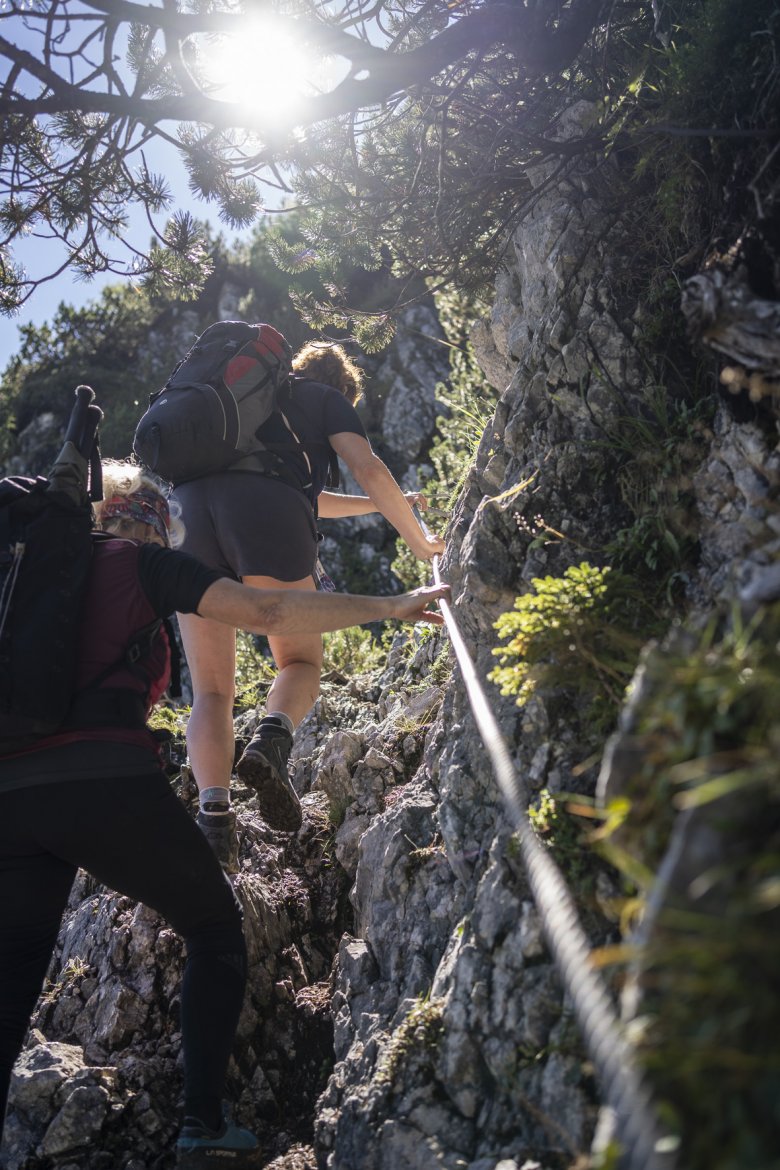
(264, 71)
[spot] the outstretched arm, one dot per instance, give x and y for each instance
(291, 611)
(375, 479)
(336, 505)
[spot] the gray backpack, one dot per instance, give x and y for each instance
(206, 417)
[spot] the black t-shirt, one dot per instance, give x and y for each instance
(129, 586)
(174, 582)
(314, 411)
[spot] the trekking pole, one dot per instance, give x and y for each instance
(644, 1144)
(78, 464)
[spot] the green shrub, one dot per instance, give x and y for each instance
(255, 671)
(580, 631)
(352, 651)
(563, 833)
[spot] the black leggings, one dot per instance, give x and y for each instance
(135, 836)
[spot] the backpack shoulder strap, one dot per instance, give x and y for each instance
(288, 399)
(174, 687)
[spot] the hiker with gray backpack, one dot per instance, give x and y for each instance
(251, 443)
(84, 655)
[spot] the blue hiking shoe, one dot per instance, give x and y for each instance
(200, 1148)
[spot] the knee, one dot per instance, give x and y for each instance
(311, 665)
(214, 698)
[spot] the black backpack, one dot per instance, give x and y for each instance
(45, 555)
(206, 417)
(46, 545)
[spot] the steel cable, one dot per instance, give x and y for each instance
(644, 1144)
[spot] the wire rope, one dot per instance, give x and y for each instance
(644, 1144)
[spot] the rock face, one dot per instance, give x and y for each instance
(404, 1011)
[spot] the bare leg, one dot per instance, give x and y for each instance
(210, 648)
(263, 766)
(298, 659)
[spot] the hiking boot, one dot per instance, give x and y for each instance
(263, 767)
(219, 829)
(199, 1148)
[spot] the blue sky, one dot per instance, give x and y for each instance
(36, 256)
(41, 256)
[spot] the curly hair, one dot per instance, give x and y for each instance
(123, 478)
(331, 364)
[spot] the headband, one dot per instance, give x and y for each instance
(144, 505)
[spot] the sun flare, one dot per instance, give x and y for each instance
(264, 70)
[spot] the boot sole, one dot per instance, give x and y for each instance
(276, 797)
(208, 1159)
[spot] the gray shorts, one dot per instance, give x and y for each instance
(248, 525)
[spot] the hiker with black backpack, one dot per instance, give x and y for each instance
(331, 365)
(250, 443)
(81, 780)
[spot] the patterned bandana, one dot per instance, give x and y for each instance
(147, 506)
